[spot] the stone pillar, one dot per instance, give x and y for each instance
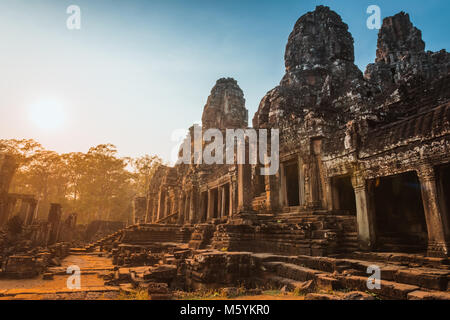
(174, 205)
(219, 202)
(223, 203)
(244, 188)
(161, 202)
(187, 207)
(167, 205)
(330, 194)
(154, 208)
(31, 214)
(210, 205)
(438, 230)
(8, 207)
(283, 192)
(233, 196)
(192, 207)
(181, 208)
(148, 210)
(273, 193)
(24, 206)
(314, 184)
(301, 182)
(54, 221)
(139, 209)
(365, 212)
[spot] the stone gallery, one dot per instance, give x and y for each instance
(364, 157)
(364, 179)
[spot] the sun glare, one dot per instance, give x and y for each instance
(47, 114)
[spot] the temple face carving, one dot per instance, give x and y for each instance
(364, 157)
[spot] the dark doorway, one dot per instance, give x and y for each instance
(444, 181)
(345, 194)
(292, 187)
(400, 218)
(215, 200)
(260, 182)
(162, 206)
(204, 201)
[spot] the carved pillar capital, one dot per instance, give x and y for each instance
(358, 182)
(426, 172)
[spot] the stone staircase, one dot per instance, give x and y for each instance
(403, 276)
(108, 239)
(202, 235)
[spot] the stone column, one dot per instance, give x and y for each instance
(148, 210)
(283, 193)
(438, 230)
(234, 196)
(187, 207)
(365, 212)
(330, 196)
(181, 208)
(54, 220)
(210, 205)
(24, 206)
(244, 188)
(167, 206)
(223, 204)
(154, 208)
(314, 184)
(193, 207)
(161, 202)
(219, 202)
(31, 214)
(8, 207)
(301, 182)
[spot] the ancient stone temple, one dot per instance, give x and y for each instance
(203, 192)
(364, 158)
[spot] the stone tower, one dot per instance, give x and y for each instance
(225, 108)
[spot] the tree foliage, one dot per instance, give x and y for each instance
(97, 185)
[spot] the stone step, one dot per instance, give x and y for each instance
(388, 289)
(292, 271)
(403, 258)
(428, 295)
(304, 268)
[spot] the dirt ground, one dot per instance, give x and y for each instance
(92, 287)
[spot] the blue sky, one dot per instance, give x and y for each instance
(138, 70)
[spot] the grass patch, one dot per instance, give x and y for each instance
(135, 295)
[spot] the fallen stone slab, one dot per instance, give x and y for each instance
(358, 295)
(428, 295)
(425, 278)
(320, 296)
(47, 276)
